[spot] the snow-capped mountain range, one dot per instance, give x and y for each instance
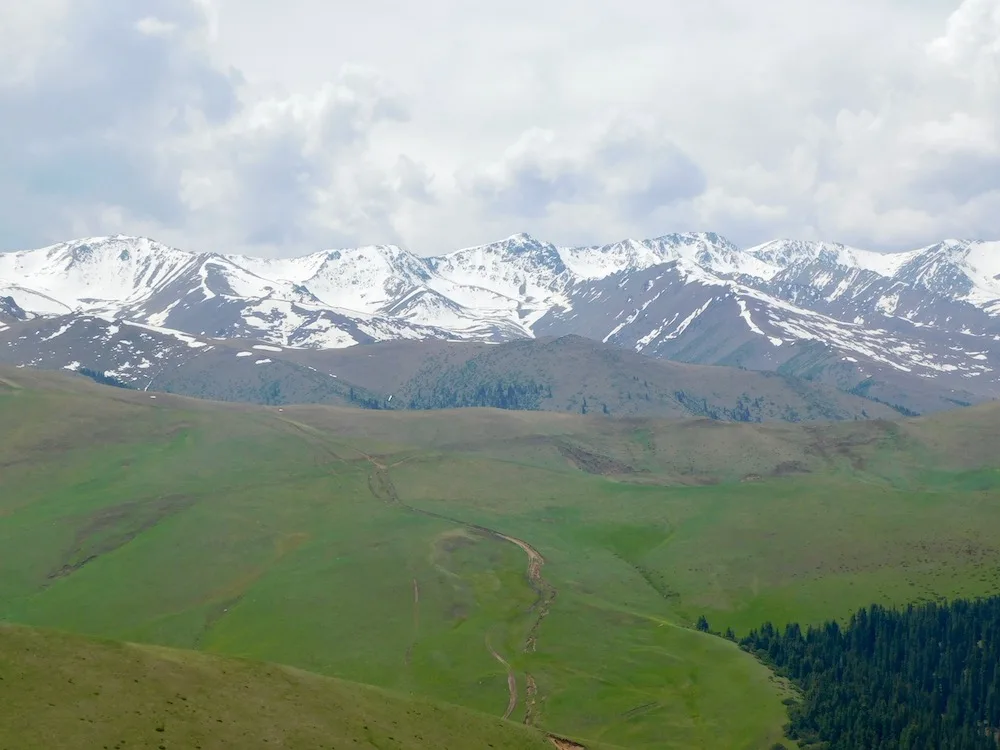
(838, 314)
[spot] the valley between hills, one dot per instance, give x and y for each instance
(454, 578)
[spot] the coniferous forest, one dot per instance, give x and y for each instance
(924, 677)
(501, 394)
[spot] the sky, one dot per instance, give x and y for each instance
(276, 129)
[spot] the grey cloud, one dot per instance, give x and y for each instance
(659, 174)
(82, 133)
(638, 170)
(105, 75)
(945, 181)
(356, 101)
(414, 180)
(275, 182)
(129, 122)
(529, 189)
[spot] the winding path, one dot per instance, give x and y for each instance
(382, 488)
(511, 680)
(546, 592)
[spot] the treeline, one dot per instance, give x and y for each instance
(501, 394)
(863, 389)
(523, 395)
(367, 401)
(745, 410)
(924, 677)
(102, 378)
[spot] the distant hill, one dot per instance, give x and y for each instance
(574, 374)
(565, 374)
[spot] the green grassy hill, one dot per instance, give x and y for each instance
(62, 692)
(542, 566)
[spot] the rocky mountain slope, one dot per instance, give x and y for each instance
(917, 329)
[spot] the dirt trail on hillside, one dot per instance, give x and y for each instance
(545, 591)
(382, 488)
(564, 744)
(511, 680)
(416, 622)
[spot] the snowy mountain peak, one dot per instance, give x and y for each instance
(963, 269)
(696, 252)
(388, 258)
(521, 244)
(120, 245)
(784, 254)
(83, 272)
(515, 243)
(700, 239)
(519, 268)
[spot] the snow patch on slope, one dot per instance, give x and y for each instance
(754, 328)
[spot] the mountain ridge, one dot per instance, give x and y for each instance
(818, 310)
(561, 374)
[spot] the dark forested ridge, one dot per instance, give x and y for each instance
(523, 395)
(924, 677)
(101, 377)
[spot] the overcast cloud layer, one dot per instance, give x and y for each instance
(242, 125)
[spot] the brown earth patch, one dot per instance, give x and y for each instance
(530, 700)
(789, 468)
(592, 463)
(289, 543)
(832, 446)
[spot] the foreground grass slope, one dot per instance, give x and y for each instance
(425, 552)
(63, 692)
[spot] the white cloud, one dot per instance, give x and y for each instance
(223, 124)
(295, 172)
(155, 27)
(131, 125)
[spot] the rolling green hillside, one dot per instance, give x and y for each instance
(62, 692)
(541, 566)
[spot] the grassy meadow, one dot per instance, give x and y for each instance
(392, 549)
(65, 691)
